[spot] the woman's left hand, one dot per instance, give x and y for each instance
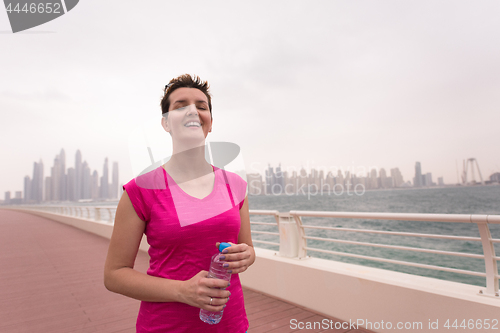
(238, 257)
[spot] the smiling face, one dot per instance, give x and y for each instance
(189, 115)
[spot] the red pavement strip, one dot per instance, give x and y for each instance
(51, 280)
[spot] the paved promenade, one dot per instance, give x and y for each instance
(51, 281)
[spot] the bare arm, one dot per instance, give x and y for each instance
(240, 256)
(120, 276)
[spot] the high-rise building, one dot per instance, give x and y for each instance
(255, 186)
(78, 176)
(330, 181)
(302, 180)
(313, 180)
(397, 177)
(114, 184)
(86, 181)
(348, 181)
(62, 175)
(94, 190)
(339, 179)
(270, 177)
(279, 180)
(71, 185)
(357, 180)
(291, 182)
(495, 177)
(321, 179)
(428, 179)
(35, 191)
(48, 189)
(39, 181)
(7, 198)
(417, 181)
(55, 176)
(105, 180)
(27, 189)
(383, 178)
(373, 179)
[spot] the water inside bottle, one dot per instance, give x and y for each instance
(210, 317)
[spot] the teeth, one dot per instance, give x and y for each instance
(192, 123)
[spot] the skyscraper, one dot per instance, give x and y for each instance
(373, 179)
(27, 189)
(417, 181)
(397, 177)
(71, 185)
(383, 178)
(55, 176)
(38, 178)
(269, 179)
(340, 178)
(114, 184)
(279, 180)
(254, 184)
(62, 175)
(86, 181)
(302, 180)
(48, 189)
(78, 176)
(95, 185)
(105, 181)
(330, 180)
(428, 179)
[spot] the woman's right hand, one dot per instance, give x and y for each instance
(198, 291)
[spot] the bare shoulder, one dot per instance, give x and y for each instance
(125, 209)
(127, 234)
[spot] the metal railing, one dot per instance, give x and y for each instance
(104, 214)
(482, 221)
(273, 213)
(107, 214)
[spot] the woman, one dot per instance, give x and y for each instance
(185, 208)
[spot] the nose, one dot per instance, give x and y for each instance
(192, 110)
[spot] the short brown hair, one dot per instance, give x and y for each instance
(184, 81)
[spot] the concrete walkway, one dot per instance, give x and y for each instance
(51, 280)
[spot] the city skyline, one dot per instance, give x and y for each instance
(294, 181)
(68, 183)
(35, 185)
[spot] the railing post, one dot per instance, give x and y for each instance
(490, 262)
(302, 242)
(289, 245)
(97, 213)
(110, 220)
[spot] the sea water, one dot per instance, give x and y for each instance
(433, 200)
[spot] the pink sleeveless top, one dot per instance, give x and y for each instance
(182, 231)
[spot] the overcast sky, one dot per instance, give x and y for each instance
(335, 84)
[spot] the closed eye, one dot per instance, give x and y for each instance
(182, 108)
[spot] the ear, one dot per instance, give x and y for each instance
(211, 123)
(164, 123)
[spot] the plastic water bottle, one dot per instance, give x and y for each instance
(216, 272)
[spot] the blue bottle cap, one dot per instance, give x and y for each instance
(222, 246)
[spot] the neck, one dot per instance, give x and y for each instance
(188, 162)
